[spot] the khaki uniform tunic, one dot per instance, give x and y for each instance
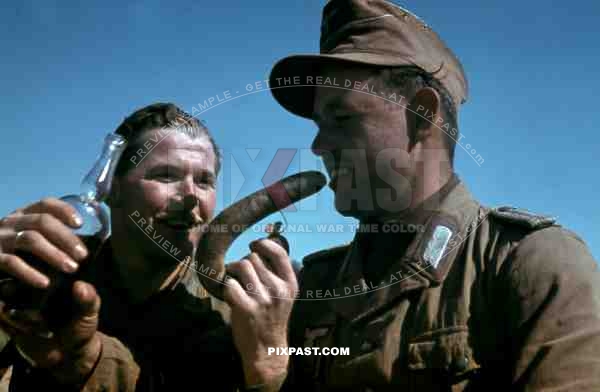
(510, 301)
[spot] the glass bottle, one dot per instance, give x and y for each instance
(95, 230)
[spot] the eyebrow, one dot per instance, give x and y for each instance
(169, 165)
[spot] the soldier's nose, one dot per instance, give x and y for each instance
(190, 201)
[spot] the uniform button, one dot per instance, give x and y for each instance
(461, 364)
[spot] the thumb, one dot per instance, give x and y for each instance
(86, 300)
(86, 309)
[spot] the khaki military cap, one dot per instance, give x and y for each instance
(374, 32)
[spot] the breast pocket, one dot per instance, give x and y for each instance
(308, 367)
(442, 360)
(373, 349)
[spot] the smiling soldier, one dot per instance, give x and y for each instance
(138, 318)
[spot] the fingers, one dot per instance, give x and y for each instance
(50, 228)
(281, 241)
(274, 286)
(53, 218)
(74, 337)
(78, 317)
(87, 300)
(38, 235)
(235, 295)
(22, 271)
(36, 244)
(277, 259)
(243, 271)
(258, 282)
(78, 321)
(57, 208)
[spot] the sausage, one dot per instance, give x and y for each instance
(210, 256)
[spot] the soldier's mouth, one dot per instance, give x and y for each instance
(182, 224)
(335, 174)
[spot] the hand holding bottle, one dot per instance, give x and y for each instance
(51, 316)
(44, 231)
(37, 245)
(39, 236)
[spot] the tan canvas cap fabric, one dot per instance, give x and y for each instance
(375, 32)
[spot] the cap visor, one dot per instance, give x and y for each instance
(294, 78)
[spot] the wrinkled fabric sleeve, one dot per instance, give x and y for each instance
(116, 369)
(274, 385)
(553, 313)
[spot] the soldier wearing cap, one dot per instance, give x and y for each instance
(478, 298)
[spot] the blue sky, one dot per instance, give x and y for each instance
(71, 72)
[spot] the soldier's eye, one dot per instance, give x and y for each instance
(206, 180)
(340, 118)
(165, 174)
(165, 177)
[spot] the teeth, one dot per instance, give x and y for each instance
(177, 223)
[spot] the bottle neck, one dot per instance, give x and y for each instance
(97, 183)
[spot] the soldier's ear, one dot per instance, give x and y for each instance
(423, 116)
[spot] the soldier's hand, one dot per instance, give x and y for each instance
(69, 352)
(260, 294)
(44, 230)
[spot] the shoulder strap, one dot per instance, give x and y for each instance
(325, 255)
(522, 217)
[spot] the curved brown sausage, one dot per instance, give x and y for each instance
(235, 219)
